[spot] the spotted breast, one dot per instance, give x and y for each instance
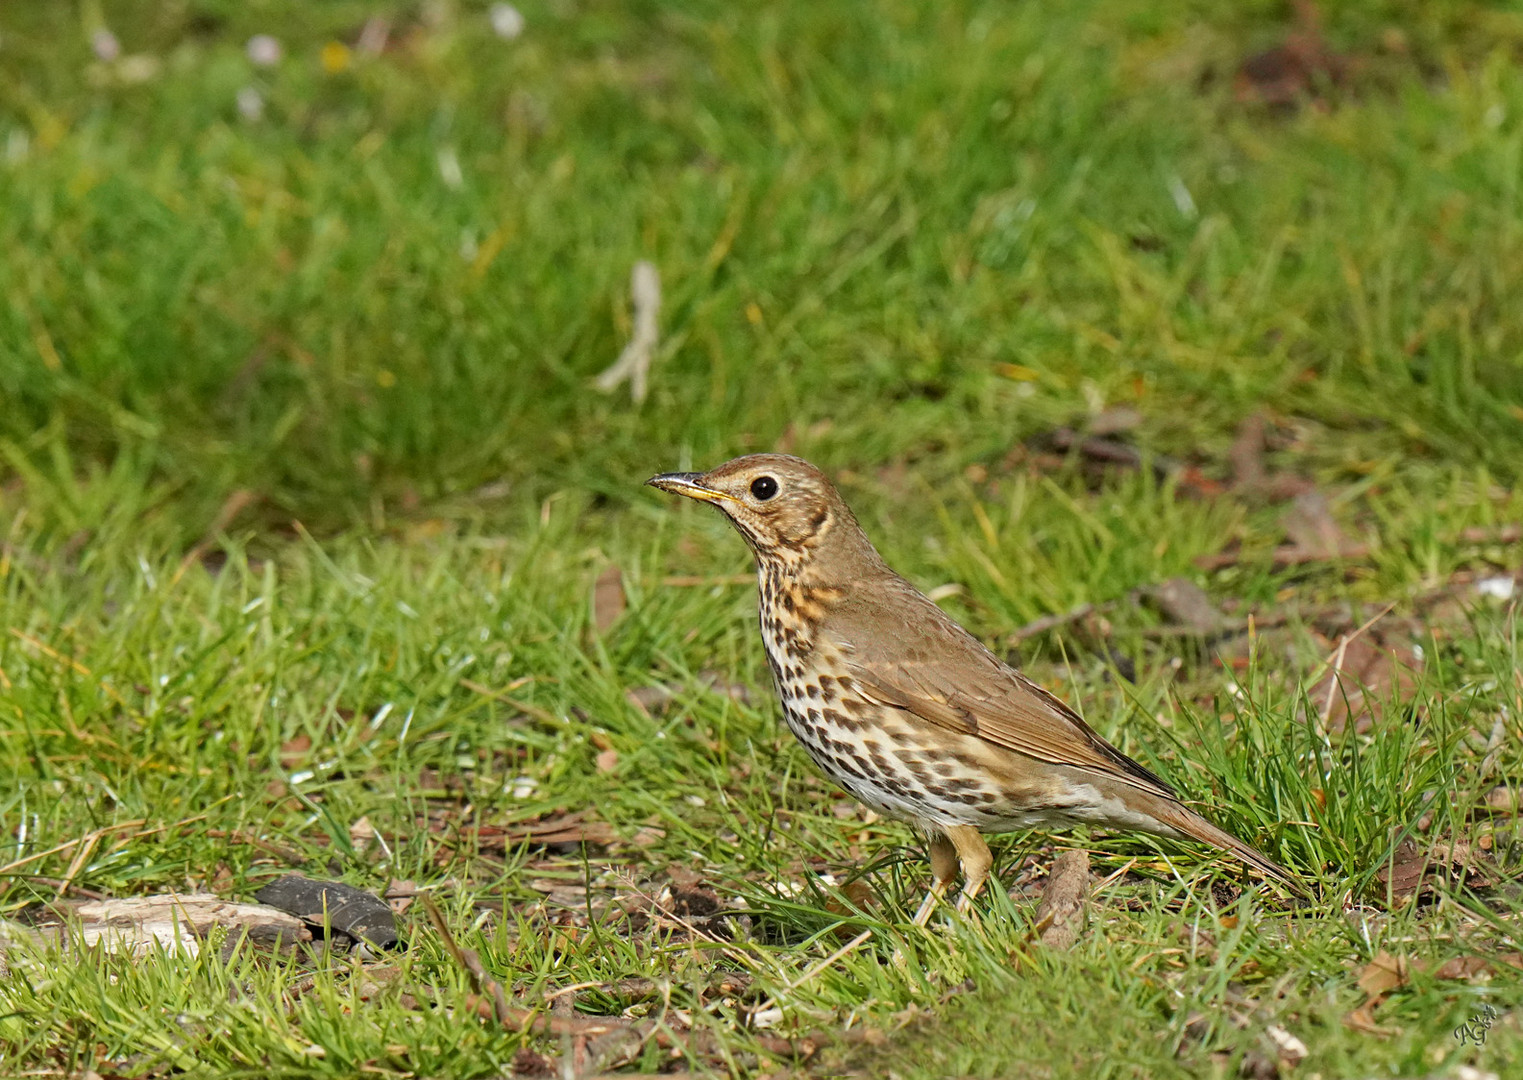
(875, 752)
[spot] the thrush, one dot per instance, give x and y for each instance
(904, 708)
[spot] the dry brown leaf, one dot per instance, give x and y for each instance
(561, 893)
(1309, 524)
(557, 829)
(1369, 672)
(400, 895)
(1186, 604)
(1250, 475)
(1247, 454)
(361, 832)
(222, 880)
(294, 751)
(1363, 1019)
(861, 897)
(649, 699)
(1301, 69)
(1412, 870)
(1380, 976)
(608, 599)
(1401, 876)
(1384, 974)
(607, 761)
(1462, 967)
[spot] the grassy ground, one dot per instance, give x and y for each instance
(304, 490)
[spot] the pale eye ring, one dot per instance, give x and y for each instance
(763, 488)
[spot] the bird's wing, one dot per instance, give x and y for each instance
(903, 651)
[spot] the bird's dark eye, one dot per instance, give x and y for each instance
(763, 487)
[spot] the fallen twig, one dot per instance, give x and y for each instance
(90, 838)
(232, 506)
(633, 364)
(1258, 620)
(1052, 622)
(698, 580)
(60, 885)
(468, 960)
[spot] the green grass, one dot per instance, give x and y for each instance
(900, 239)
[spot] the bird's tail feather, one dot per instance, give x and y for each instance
(1186, 821)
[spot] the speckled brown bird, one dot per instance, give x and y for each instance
(907, 710)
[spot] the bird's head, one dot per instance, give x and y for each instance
(783, 506)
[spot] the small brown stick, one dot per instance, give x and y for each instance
(81, 856)
(1073, 615)
(1335, 666)
(688, 581)
(1052, 622)
(1286, 556)
(70, 844)
(231, 507)
(61, 886)
(1229, 628)
(554, 995)
(1111, 878)
(470, 962)
(85, 846)
(633, 364)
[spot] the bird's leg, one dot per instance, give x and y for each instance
(976, 860)
(943, 870)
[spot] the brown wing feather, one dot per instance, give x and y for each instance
(937, 670)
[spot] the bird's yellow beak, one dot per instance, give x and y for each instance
(690, 485)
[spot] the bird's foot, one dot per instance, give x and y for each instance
(928, 905)
(969, 894)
